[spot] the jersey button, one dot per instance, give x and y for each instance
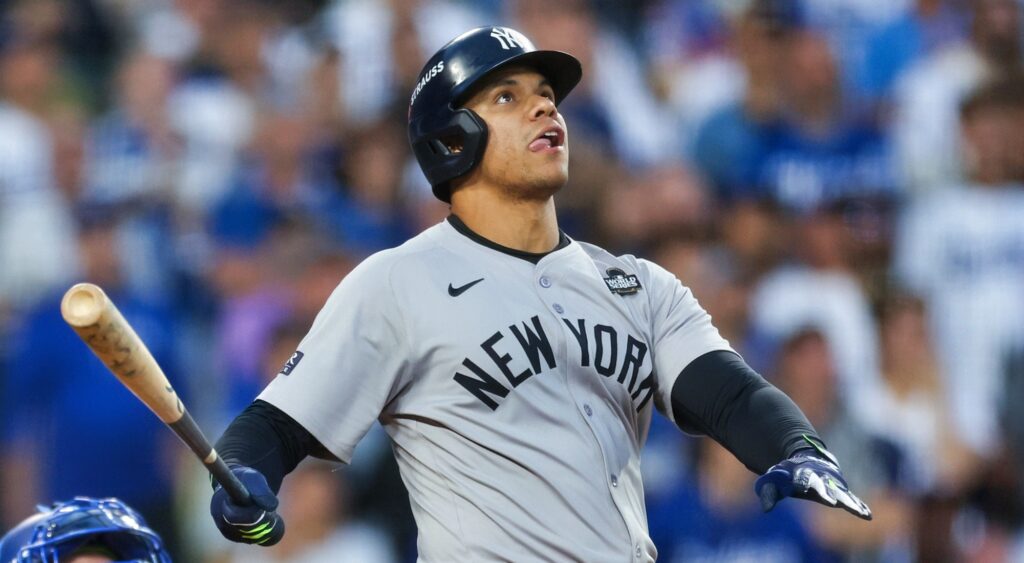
(559, 309)
(639, 551)
(615, 481)
(545, 282)
(590, 411)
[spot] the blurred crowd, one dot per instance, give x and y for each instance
(840, 182)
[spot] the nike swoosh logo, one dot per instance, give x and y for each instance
(457, 291)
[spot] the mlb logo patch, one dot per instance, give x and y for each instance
(621, 283)
(291, 363)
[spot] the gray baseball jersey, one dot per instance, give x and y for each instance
(517, 395)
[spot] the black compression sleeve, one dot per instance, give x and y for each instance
(268, 440)
(718, 394)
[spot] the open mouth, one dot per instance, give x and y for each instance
(551, 138)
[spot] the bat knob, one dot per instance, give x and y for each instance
(83, 304)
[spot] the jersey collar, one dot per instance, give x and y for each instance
(532, 257)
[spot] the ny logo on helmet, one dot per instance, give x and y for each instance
(508, 38)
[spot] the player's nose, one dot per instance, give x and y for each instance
(542, 106)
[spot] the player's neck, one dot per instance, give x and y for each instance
(529, 226)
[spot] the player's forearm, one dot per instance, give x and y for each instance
(718, 394)
(266, 439)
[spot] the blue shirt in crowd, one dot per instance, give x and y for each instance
(93, 436)
(685, 527)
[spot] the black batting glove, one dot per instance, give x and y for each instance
(257, 523)
(813, 474)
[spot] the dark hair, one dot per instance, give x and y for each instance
(779, 16)
(798, 338)
(896, 298)
(1005, 91)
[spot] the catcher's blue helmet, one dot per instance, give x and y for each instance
(108, 525)
(436, 122)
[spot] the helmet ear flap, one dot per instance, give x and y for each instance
(455, 147)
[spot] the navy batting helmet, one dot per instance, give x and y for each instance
(107, 526)
(437, 123)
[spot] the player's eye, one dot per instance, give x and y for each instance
(548, 94)
(504, 98)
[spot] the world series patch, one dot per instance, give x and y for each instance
(621, 283)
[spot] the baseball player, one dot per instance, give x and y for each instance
(515, 370)
(83, 530)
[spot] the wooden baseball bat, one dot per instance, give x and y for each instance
(100, 325)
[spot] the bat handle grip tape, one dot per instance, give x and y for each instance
(236, 490)
(186, 429)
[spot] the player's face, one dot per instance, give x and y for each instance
(527, 152)
(90, 559)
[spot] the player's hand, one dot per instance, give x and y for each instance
(256, 523)
(811, 474)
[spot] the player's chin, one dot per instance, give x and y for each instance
(549, 184)
(555, 172)
(541, 185)
(554, 165)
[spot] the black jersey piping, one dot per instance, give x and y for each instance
(532, 257)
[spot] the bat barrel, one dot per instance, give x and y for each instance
(100, 325)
